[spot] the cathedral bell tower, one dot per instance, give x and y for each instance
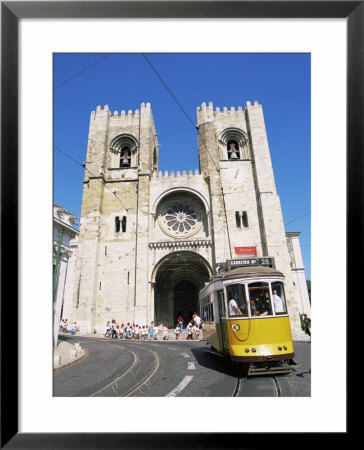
(122, 155)
(245, 208)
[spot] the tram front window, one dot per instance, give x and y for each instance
(236, 300)
(279, 300)
(259, 297)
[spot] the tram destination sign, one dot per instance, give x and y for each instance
(243, 262)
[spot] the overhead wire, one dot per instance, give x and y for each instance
(82, 71)
(203, 141)
(97, 178)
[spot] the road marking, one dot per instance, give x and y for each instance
(180, 387)
(185, 355)
(191, 366)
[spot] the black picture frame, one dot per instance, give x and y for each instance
(11, 12)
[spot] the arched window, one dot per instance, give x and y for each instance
(124, 148)
(233, 151)
(234, 144)
(125, 157)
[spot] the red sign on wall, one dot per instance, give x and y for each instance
(247, 251)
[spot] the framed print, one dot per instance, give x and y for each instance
(30, 33)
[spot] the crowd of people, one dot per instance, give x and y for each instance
(135, 331)
(153, 331)
(65, 327)
(142, 332)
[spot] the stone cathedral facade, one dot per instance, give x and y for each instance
(150, 240)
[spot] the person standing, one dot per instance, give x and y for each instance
(151, 330)
(307, 322)
(127, 331)
(165, 332)
(197, 320)
(108, 327)
(177, 331)
(180, 321)
(189, 331)
(156, 331)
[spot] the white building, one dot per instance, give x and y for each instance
(64, 256)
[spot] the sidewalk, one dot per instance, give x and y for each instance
(65, 354)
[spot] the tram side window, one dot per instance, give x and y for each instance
(279, 299)
(221, 301)
(259, 298)
(207, 311)
(239, 307)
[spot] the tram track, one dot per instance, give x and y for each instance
(146, 378)
(238, 387)
(134, 366)
(119, 378)
(276, 387)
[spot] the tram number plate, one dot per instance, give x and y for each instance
(241, 262)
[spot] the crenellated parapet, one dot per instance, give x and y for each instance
(207, 113)
(177, 174)
(102, 112)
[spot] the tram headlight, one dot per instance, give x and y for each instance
(247, 350)
(235, 327)
(279, 348)
(284, 347)
(254, 350)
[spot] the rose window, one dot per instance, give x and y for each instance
(180, 219)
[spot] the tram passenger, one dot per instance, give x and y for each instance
(255, 307)
(278, 303)
(262, 307)
(234, 309)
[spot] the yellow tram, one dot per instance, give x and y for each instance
(245, 316)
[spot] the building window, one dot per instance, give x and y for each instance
(233, 151)
(123, 225)
(245, 219)
(125, 157)
(124, 148)
(237, 219)
(117, 224)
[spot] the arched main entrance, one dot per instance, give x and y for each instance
(178, 279)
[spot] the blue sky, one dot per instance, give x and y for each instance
(280, 82)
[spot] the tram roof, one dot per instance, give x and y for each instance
(247, 272)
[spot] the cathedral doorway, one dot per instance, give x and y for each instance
(178, 279)
(185, 300)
